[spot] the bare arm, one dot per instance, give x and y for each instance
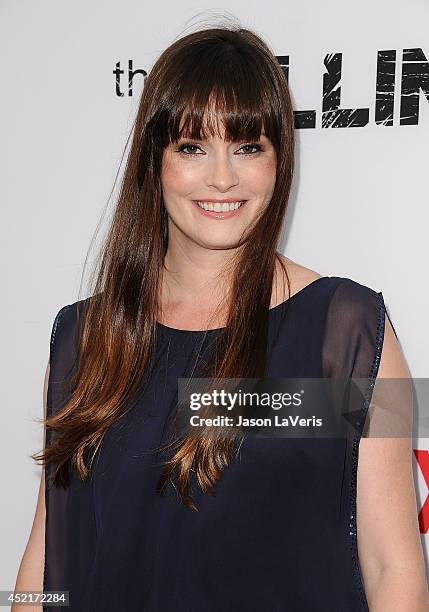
(30, 573)
(390, 550)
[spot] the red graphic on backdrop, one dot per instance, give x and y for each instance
(422, 457)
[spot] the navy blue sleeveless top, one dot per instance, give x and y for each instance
(280, 532)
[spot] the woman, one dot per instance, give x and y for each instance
(191, 283)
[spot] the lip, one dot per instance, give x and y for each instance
(227, 200)
(211, 214)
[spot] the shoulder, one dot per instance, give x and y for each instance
(345, 293)
(65, 326)
(354, 298)
(67, 316)
(299, 276)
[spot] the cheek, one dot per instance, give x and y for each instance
(176, 179)
(261, 178)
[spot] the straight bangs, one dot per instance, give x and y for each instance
(204, 96)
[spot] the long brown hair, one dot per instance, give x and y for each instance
(232, 71)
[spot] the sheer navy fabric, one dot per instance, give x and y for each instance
(280, 533)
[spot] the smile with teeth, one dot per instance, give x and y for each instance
(218, 207)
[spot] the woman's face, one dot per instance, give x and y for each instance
(202, 178)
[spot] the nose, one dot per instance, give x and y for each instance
(221, 173)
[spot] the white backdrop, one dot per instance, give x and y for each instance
(359, 206)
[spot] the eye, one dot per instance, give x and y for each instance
(189, 149)
(252, 145)
(187, 145)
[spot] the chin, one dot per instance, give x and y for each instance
(224, 243)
